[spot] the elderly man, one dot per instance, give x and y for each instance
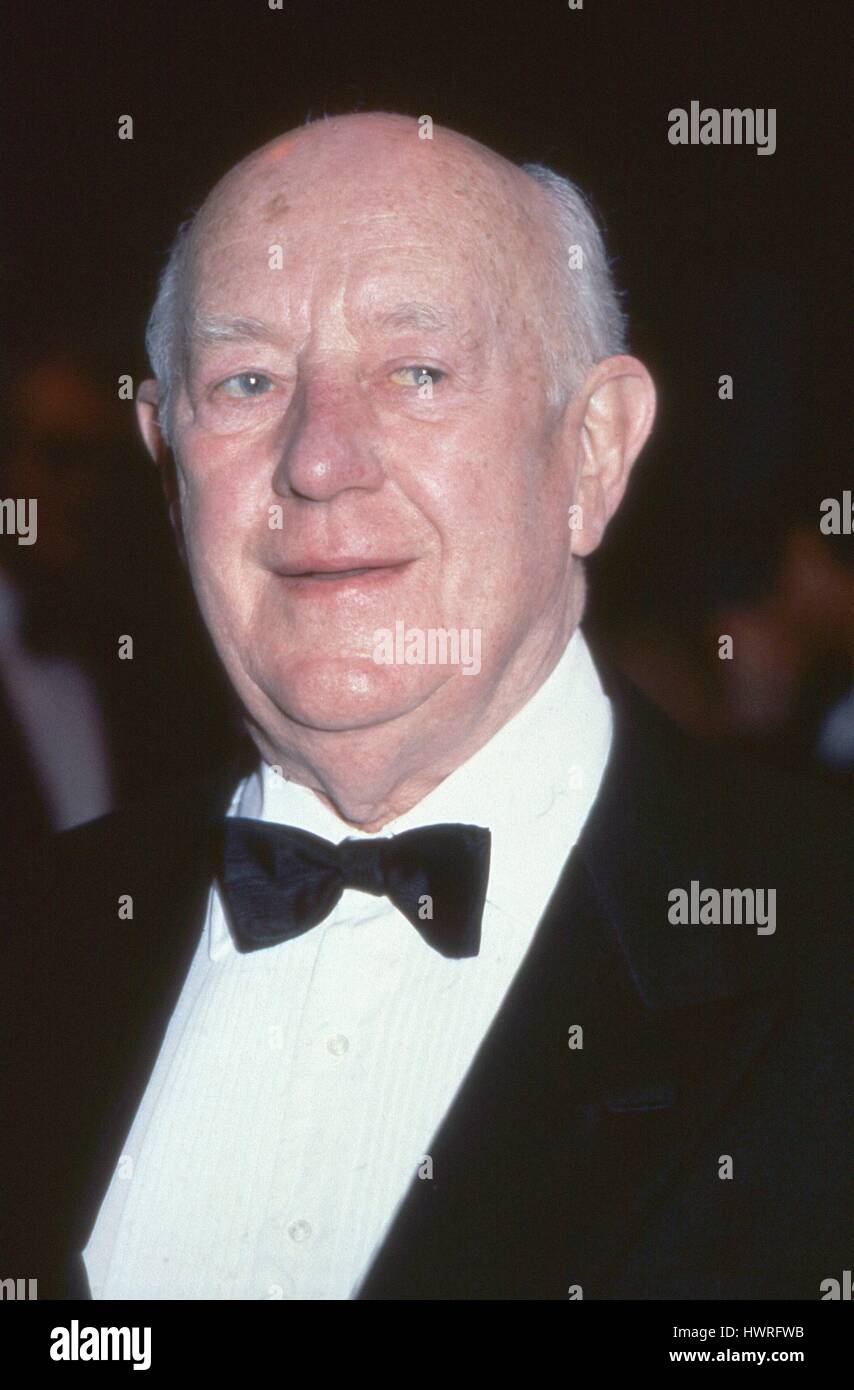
(417, 1002)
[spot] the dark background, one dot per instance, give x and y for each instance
(731, 262)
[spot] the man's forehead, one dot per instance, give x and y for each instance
(338, 219)
(433, 236)
(389, 273)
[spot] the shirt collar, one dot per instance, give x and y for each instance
(532, 785)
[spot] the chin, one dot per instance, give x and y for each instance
(336, 694)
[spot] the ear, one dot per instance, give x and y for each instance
(148, 419)
(612, 414)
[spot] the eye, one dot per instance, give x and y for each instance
(418, 376)
(246, 384)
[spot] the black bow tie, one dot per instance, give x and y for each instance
(278, 882)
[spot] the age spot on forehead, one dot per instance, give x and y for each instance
(276, 207)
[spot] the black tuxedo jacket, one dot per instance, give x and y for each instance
(559, 1171)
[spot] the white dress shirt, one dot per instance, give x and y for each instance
(298, 1087)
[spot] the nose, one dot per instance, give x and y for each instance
(327, 449)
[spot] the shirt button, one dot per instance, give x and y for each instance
(338, 1045)
(299, 1231)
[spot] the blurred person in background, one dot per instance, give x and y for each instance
(725, 538)
(65, 442)
(81, 729)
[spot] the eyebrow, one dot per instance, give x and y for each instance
(216, 328)
(418, 315)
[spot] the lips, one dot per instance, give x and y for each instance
(349, 568)
(335, 574)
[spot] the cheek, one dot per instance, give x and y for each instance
(477, 511)
(513, 557)
(222, 515)
(493, 494)
(223, 498)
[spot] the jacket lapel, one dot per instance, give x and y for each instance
(551, 1156)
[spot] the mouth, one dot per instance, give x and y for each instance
(335, 575)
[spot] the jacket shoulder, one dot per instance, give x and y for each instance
(78, 875)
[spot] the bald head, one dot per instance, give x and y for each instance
(380, 157)
(528, 227)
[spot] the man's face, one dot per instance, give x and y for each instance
(309, 442)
